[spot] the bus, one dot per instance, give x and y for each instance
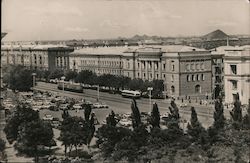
(131, 94)
(72, 87)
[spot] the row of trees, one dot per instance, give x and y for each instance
(145, 143)
(20, 78)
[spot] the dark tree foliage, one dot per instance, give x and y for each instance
(33, 136)
(65, 114)
(86, 77)
(236, 113)
(136, 116)
(173, 116)
(2, 145)
(87, 112)
(246, 118)
(108, 136)
(91, 128)
(70, 75)
(155, 117)
(111, 119)
(195, 129)
(74, 132)
(219, 119)
(56, 74)
(23, 115)
(20, 79)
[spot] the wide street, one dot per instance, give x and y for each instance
(122, 105)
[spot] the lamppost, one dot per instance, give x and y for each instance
(98, 92)
(150, 96)
(63, 78)
(34, 81)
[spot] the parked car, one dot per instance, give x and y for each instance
(64, 107)
(77, 106)
(100, 105)
(48, 117)
(125, 122)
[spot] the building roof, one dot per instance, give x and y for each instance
(35, 47)
(102, 51)
(170, 48)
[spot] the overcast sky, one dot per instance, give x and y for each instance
(91, 19)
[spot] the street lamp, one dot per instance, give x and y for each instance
(63, 78)
(98, 92)
(34, 81)
(150, 96)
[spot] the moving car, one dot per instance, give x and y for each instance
(131, 94)
(99, 105)
(125, 122)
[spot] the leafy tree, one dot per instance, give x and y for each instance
(236, 113)
(91, 128)
(87, 112)
(34, 135)
(56, 74)
(23, 115)
(20, 79)
(195, 129)
(70, 75)
(246, 118)
(219, 119)
(65, 114)
(73, 133)
(86, 77)
(155, 117)
(136, 116)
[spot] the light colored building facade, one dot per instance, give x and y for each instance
(45, 57)
(186, 71)
(237, 74)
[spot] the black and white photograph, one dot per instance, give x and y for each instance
(127, 81)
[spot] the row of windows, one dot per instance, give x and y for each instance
(195, 66)
(156, 65)
(195, 77)
(106, 63)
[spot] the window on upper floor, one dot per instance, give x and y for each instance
(234, 84)
(164, 76)
(164, 66)
(187, 67)
(157, 76)
(233, 69)
(128, 65)
(138, 65)
(202, 66)
(193, 78)
(156, 65)
(173, 67)
(172, 78)
(202, 77)
(198, 77)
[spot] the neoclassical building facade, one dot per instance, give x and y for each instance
(186, 71)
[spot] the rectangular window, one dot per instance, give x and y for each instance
(233, 69)
(164, 76)
(172, 78)
(234, 84)
(164, 66)
(138, 65)
(173, 67)
(157, 76)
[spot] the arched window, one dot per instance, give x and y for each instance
(172, 89)
(197, 89)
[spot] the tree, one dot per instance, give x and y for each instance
(34, 135)
(56, 74)
(195, 129)
(136, 116)
(70, 75)
(87, 112)
(246, 118)
(23, 115)
(155, 117)
(20, 79)
(236, 113)
(74, 132)
(86, 77)
(111, 119)
(219, 119)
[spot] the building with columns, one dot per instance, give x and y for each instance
(44, 57)
(185, 70)
(237, 74)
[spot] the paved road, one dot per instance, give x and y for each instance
(122, 105)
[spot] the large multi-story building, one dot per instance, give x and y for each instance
(46, 57)
(185, 70)
(237, 74)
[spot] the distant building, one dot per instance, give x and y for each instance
(45, 57)
(185, 70)
(237, 74)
